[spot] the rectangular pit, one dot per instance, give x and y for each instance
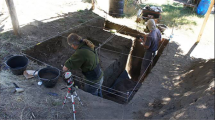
(55, 51)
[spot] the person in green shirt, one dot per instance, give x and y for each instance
(86, 59)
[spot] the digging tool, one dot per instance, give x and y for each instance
(18, 89)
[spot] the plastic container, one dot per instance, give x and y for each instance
(203, 7)
(49, 76)
(17, 64)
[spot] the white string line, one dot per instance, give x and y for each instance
(126, 54)
(100, 45)
(102, 85)
(65, 31)
(99, 84)
(35, 59)
(106, 42)
(77, 76)
(120, 31)
(119, 52)
(101, 89)
(143, 74)
(73, 75)
(110, 38)
(94, 26)
(45, 19)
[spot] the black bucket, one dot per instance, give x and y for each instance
(49, 76)
(116, 8)
(17, 64)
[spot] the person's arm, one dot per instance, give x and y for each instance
(147, 42)
(74, 62)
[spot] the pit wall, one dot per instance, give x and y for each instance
(56, 51)
(117, 43)
(133, 65)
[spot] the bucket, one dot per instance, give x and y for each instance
(116, 8)
(49, 76)
(17, 64)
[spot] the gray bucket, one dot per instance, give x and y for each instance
(49, 76)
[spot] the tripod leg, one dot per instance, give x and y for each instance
(64, 102)
(73, 106)
(76, 95)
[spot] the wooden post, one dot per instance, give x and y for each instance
(205, 21)
(13, 16)
(93, 4)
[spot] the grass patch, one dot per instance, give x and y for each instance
(176, 15)
(7, 35)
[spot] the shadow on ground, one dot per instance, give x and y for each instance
(184, 90)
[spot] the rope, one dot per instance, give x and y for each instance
(98, 84)
(60, 34)
(101, 89)
(72, 74)
(112, 36)
(143, 74)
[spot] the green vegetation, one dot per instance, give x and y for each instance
(173, 14)
(177, 15)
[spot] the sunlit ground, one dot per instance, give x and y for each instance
(29, 11)
(40, 10)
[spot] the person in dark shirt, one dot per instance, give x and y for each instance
(150, 43)
(86, 59)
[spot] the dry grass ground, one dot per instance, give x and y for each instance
(180, 86)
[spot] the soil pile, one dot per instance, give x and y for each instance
(195, 94)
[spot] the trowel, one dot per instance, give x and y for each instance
(18, 89)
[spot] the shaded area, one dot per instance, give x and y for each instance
(134, 64)
(183, 91)
(191, 49)
(55, 51)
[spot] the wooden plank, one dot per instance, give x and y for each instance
(205, 21)
(13, 16)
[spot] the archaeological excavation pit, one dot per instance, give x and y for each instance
(120, 57)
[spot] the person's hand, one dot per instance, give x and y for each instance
(140, 40)
(65, 68)
(145, 37)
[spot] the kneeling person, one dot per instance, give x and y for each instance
(86, 59)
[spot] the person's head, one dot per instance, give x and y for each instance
(74, 40)
(151, 24)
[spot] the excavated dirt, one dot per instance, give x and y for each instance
(178, 87)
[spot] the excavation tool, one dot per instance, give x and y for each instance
(71, 93)
(18, 89)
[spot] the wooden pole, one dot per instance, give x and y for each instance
(93, 4)
(13, 16)
(205, 21)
